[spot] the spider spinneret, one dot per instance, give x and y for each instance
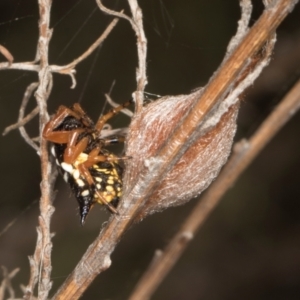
(93, 173)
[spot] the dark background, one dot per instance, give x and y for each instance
(250, 246)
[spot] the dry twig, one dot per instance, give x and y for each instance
(68, 69)
(137, 24)
(23, 120)
(6, 283)
(6, 54)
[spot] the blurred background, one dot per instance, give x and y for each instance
(250, 246)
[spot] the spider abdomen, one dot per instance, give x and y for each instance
(107, 177)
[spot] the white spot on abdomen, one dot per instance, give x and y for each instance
(76, 174)
(80, 182)
(67, 167)
(85, 193)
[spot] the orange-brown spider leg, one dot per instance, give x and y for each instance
(110, 114)
(110, 207)
(73, 150)
(78, 108)
(58, 136)
(82, 115)
(94, 157)
(113, 140)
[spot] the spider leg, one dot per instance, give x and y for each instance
(73, 150)
(82, 115)
(61, 114)
(94, 157)
(113, 140)
(103, 201)
(59, 137)
(78, 109)
(110, 114)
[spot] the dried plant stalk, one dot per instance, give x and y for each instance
(6, 54)
(41, 265)
(136, 22)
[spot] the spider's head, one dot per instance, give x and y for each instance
(69, 123)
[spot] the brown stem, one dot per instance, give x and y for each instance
(136, 22)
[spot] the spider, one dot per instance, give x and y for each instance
(93, 173)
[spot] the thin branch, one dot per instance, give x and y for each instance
(114, 13)
(34, 262)
(66, 69)
(41, 262)
(109, 132)
(25, 66)
(244, 154)
(6, 54)
(69, 68)
(6, 283)
(114, 104)
(141, 76)
(23, 132)
(23, 122)
(137, 24)
(21, 119)
(243, 26)
(97, 257)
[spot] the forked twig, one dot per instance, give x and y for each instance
(69, 68)
(6, 283)
(23, 120)
(244, 153)
(66, 69)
